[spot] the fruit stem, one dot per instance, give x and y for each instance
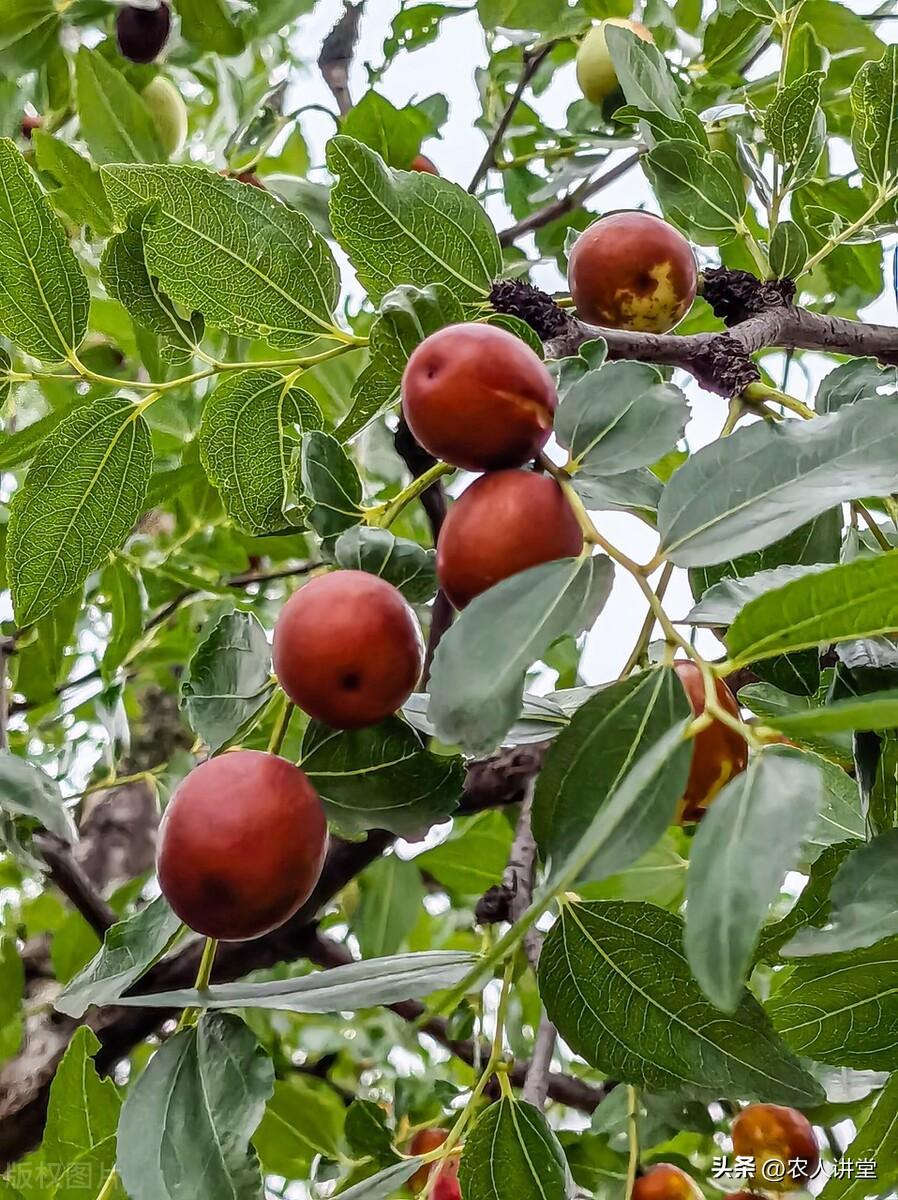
(493, 1061)
(869, 520)
(190, 1016)
(382, 516)
(756, 393)
(281, 725)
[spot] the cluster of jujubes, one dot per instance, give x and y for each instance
(348, 650)
(347, 647)
(776, 1143)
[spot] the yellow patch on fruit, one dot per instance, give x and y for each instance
(654, 310)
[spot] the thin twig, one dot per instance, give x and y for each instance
(247, 579)
(533, 60)
(573, 200)
(648, 624)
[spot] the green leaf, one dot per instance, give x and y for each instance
(28, 29)
(382, 777)
(249, 445)
(395, 134)
(772, 703)
(368, 1134)
(635, 816)
(82, 1118)
(795, 126)
(874, 135)
(41, 664)
(630, 489)
(127, 601)
(618, 989)
(809, 909)
(841, 1009)
(852, 381)
(123, 270)
(384, 1184)
(480, 665)
(842, 816)
(80, 500)
(341, 989)
(819, 541)
(409, 567)
(858, 599)
(77, 190)
(658, 876)
(282, 281)
(429, 230)
(391, 900)
(210, 25)
(788, 250)
(745, 491)
(129, 950)
(303, 1118)
(513, 1154)
(473, 857)
(588, 761)
(44, 297)
(876, 1141)
(331, 482)
(115, 122)
(749, 838)
(722, 603)
(228, 680)
(876, 711)
(863, 903)
(643, 74)
(620, 417)
(702, 191)
(187, 1121)
(26, 791)
(732, 35)
(407, 315)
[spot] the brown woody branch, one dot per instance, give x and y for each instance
(336, 54)
(720, 362)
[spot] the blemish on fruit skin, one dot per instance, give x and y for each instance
(648, 304)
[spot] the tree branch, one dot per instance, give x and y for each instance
(720, 362)
(74, 883)
(566, 1089)
(573, 200)
(336, 54)
(533, 60)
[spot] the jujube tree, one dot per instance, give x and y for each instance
(352, 843)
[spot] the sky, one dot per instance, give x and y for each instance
(448, 66)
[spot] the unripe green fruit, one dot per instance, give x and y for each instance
(595, 69)
(169, 113)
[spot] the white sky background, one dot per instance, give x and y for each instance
(448, 66)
